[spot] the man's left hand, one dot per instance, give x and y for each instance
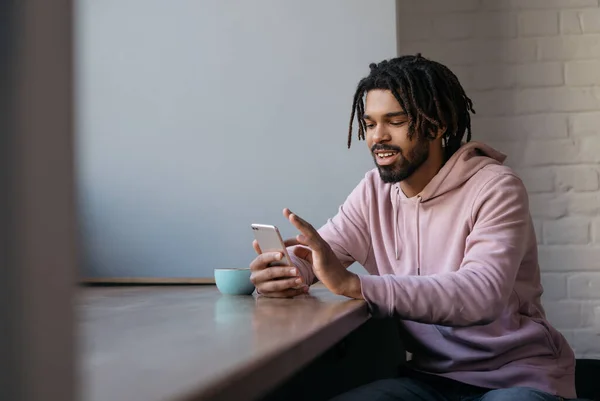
(326, 266)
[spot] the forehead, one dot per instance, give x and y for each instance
(381, 101)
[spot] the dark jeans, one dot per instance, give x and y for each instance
(418, 387)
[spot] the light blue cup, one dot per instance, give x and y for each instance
(234, 281)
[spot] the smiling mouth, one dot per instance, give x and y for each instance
(386, 154)
(385, 158)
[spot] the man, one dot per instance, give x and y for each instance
(444, 230)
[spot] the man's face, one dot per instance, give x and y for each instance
(397, 157)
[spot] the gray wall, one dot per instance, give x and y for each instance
(198, 118)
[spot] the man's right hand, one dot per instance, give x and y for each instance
(275, 281)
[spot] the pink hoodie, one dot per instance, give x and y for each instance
(458, 265)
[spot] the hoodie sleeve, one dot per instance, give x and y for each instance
(479, 290)
(346, 233)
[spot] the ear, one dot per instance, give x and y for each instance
(440, 133)
(437, 135)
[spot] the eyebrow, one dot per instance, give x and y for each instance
(387, 115)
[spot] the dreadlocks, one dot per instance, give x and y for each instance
(429, 93)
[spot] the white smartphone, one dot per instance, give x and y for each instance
(269, 240)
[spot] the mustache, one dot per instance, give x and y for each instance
(377, 147)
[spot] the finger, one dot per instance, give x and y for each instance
(287, 293)
(279, 285)
(303, 253)
(273, 273)
(309, 236)
(262, 261)
(256, 247)
(291, 242)
(299, 243)
(289, 214)
(304, 226)
(299, 240)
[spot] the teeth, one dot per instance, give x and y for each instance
(382, 155)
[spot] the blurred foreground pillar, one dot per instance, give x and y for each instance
(37, 209)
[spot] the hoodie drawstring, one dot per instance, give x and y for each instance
(418, 237)
(395, 208)
(396, 228)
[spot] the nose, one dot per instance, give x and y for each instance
(380, 134)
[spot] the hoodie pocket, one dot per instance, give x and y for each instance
(545, 327)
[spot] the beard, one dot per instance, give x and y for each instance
(404, 167)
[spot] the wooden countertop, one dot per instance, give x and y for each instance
(192, 343)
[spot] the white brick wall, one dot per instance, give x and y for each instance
(538, 23)
(532, 68)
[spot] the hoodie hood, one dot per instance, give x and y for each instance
(462, 165)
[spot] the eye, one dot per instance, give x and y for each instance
(369, 125)
(397, 123)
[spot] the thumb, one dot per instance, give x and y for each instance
(304, 253)
(256, 247)
(291, 242)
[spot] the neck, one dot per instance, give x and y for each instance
(414, 184)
